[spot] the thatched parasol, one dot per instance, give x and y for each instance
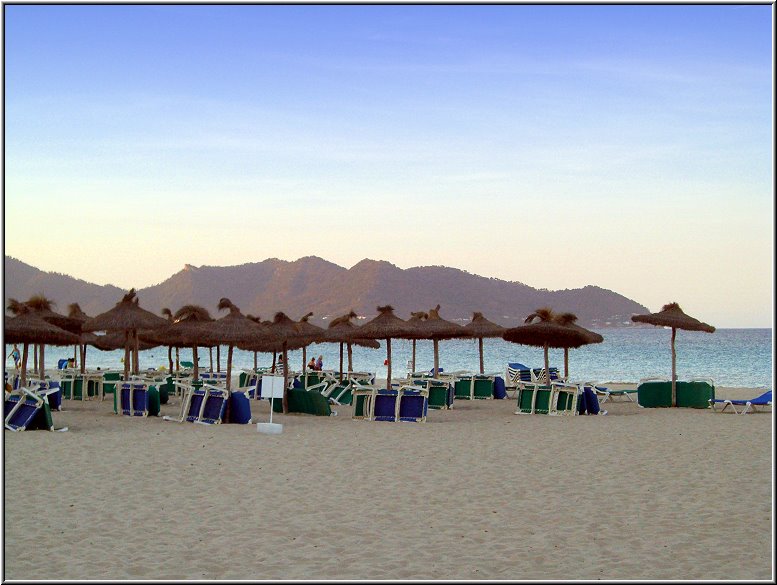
(128, 317)
(545, 333)
(28, 328)
(671, 315)
(188, 329)
(42, 307)
(480, 327)
(386, 326)
(437, 328)
(340, 331)
(568, 320)
(232, 329)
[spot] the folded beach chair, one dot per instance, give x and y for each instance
(516, 375)
(413, 403)
(27, 410)
(750, 405)
(538, 375)
(133, 398)
(363, 399)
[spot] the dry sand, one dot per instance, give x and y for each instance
(476, 492)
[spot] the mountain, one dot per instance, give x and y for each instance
(328, 290)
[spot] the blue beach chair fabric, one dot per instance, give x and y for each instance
(749, 405)
(26, 409)
(413, 404)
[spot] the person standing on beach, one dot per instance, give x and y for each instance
(17, 357)
(312, 363)
(320, 363)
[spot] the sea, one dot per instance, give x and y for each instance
(730, 357)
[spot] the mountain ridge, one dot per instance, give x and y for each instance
(311, 283)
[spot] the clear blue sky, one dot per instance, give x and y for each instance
(625, 146)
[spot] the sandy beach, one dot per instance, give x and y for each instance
(476, 492)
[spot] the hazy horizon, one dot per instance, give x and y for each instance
(628, 147)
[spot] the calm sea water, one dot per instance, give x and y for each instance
(731, 357)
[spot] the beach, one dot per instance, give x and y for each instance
(476, 492)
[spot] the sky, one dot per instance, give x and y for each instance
(624, 146)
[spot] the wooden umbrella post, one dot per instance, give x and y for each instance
(350, 357)
(229, 368)
(480, 349)
(388, 359)
(196, 360)
(285, 377)
(25, 352)
(566, 363)
(413, 362)
(341, 361)
(547, 365)
(436, 345)
(674, 369)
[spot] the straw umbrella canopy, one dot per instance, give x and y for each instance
(42, 307)
(28, 327)
(126, 316)
(231, 329)
(480, 327)
(545, 333)
(386, 326)
(188, 329)
(340, 330)
(437, 328)
(671, 315)
(568, 320)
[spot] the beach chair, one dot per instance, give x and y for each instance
(750, 405)
(27, 410)
(363, 399)
(603, 393)
(563, 399)
(516, 375)
(133, 398)
(538, 375)
(385, 405)
(413, 403)
(464, 387)
(654, 393)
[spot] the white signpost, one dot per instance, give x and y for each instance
(272, 387)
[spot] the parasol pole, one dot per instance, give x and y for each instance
(229, 368)
(255, 362)
(350, 357)
(547, 365)
(436, 345)
(126, 354)
(388, 359)
(218, 357)
(285, 377)
(674, 369)
(480, 348)
(413, 356)
(566, 363)
(25, 351)
(341, 361)
(196, 360)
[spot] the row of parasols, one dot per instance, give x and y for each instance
(134, 328)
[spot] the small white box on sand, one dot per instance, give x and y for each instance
(270, 428)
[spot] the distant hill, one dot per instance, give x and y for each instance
(329, 290)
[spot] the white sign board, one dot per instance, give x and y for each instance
(272, 386)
